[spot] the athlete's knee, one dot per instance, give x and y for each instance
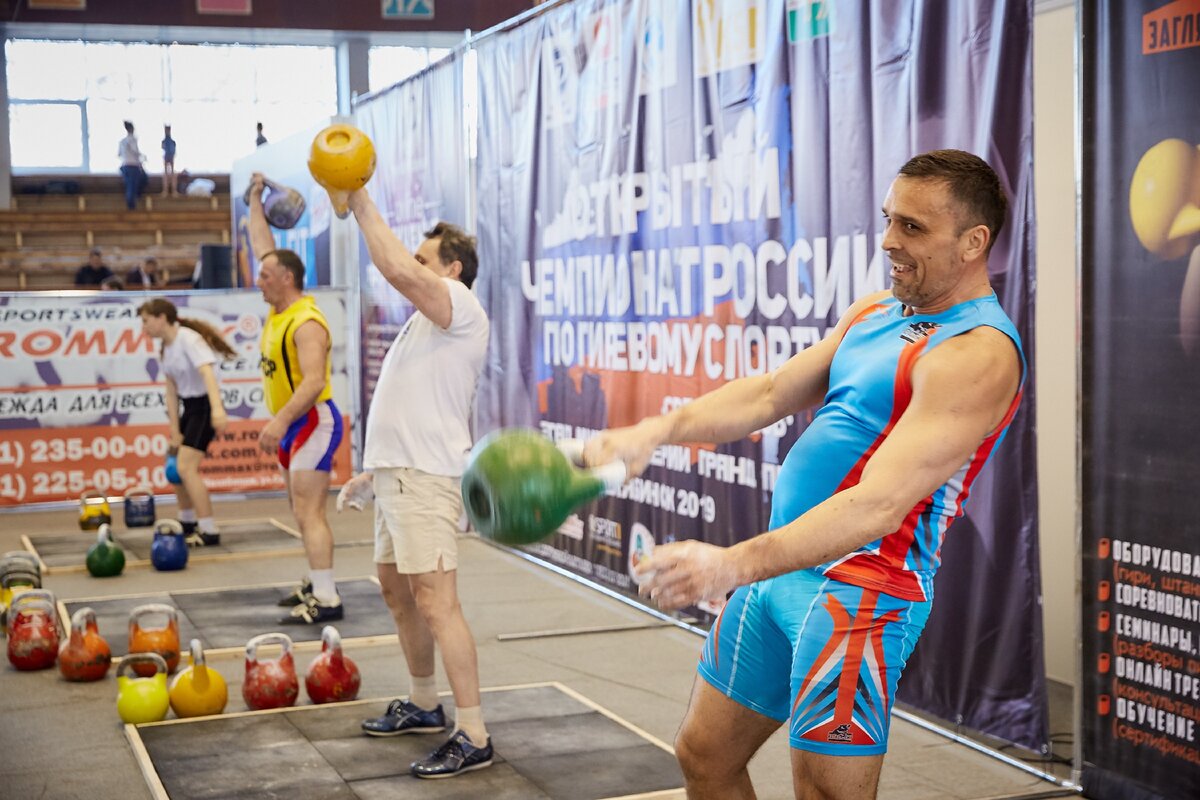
(700, 757)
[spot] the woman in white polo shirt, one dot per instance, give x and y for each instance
(189, 351)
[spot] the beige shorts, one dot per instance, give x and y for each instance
(416, 520)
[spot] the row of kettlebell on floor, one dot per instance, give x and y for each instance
(168, 551)
(34, 643)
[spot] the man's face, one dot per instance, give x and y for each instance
(273, 280)
(150, 268)
(95, 260)
(427, 254)
(923, 240)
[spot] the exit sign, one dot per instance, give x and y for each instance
(407, 9)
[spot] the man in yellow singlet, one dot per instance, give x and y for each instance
(305, 427)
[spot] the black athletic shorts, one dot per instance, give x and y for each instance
(196, 422)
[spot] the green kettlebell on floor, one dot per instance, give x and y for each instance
(519, 487)
(105, 558)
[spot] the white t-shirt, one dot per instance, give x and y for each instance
(182, 359)
(421, 409)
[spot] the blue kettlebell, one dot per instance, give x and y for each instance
(168, 551)
(171, 468)
(139, 507)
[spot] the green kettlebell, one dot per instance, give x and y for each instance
(105, 558)
(142, 699)
(519, 487)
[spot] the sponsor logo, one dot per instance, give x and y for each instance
(657, 47)
(841, 734)
(606, 534)
(728, 34)
(560, 81)
(572, 528)
(807, 20)
(641, 547)
(1174, 26)
(917, 331)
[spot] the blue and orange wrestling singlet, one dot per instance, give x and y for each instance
(824, 648)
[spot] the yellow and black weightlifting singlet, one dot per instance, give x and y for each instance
(280, 359)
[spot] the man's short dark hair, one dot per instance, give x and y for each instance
(456, 245)
(291, 262)
(973, 184)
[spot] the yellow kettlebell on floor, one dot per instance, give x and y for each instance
(94, 510)
(142, 699)
(198, 691)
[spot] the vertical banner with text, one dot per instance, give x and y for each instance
(82, 403)
(1140, 234)
(675, 195)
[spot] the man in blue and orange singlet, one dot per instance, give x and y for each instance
(914, 390)
(305, 427)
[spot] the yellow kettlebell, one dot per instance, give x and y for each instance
(142, 699)
(198, 691)
(94, 510)
(342, 159)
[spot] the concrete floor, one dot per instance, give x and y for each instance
(64, 740)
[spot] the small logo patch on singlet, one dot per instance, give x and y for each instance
(918, 329)
(841, 734)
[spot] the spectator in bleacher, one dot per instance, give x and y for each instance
(261, 140)
(112, 283)
(94, 271)
(147, 276)
(169, 178)
(131, 167)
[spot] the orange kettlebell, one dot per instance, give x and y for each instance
(163, 640)
(85, 656)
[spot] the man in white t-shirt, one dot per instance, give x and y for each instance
(417, 441)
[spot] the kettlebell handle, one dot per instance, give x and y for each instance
(84, 619)
(104, 534)
(330, 639)
(612, 475)
(138, 491)
(92, 497)
(155, 608)
(267, 183)
(197, 653)
(160, 663)
(282, 639)
(12, 576)
(168, 527)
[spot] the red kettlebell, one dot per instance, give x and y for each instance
(33, 630)
(85, 655)
(164, 640)
(270, 683)
(332, 677)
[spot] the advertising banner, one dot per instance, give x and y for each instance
(286, 163)
(420, 178)
(675, 195)
(1140, 272)
(82, 403)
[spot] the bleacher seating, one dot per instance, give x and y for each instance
(47, 233)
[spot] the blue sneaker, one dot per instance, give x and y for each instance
(403, 717)
(456, 756)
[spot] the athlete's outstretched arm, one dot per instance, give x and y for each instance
(398, 265)
(962, 392)
(735, 410)
(261, 240)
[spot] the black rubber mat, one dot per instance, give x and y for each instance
(231, 617)
(70, 549)
(549, 746)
